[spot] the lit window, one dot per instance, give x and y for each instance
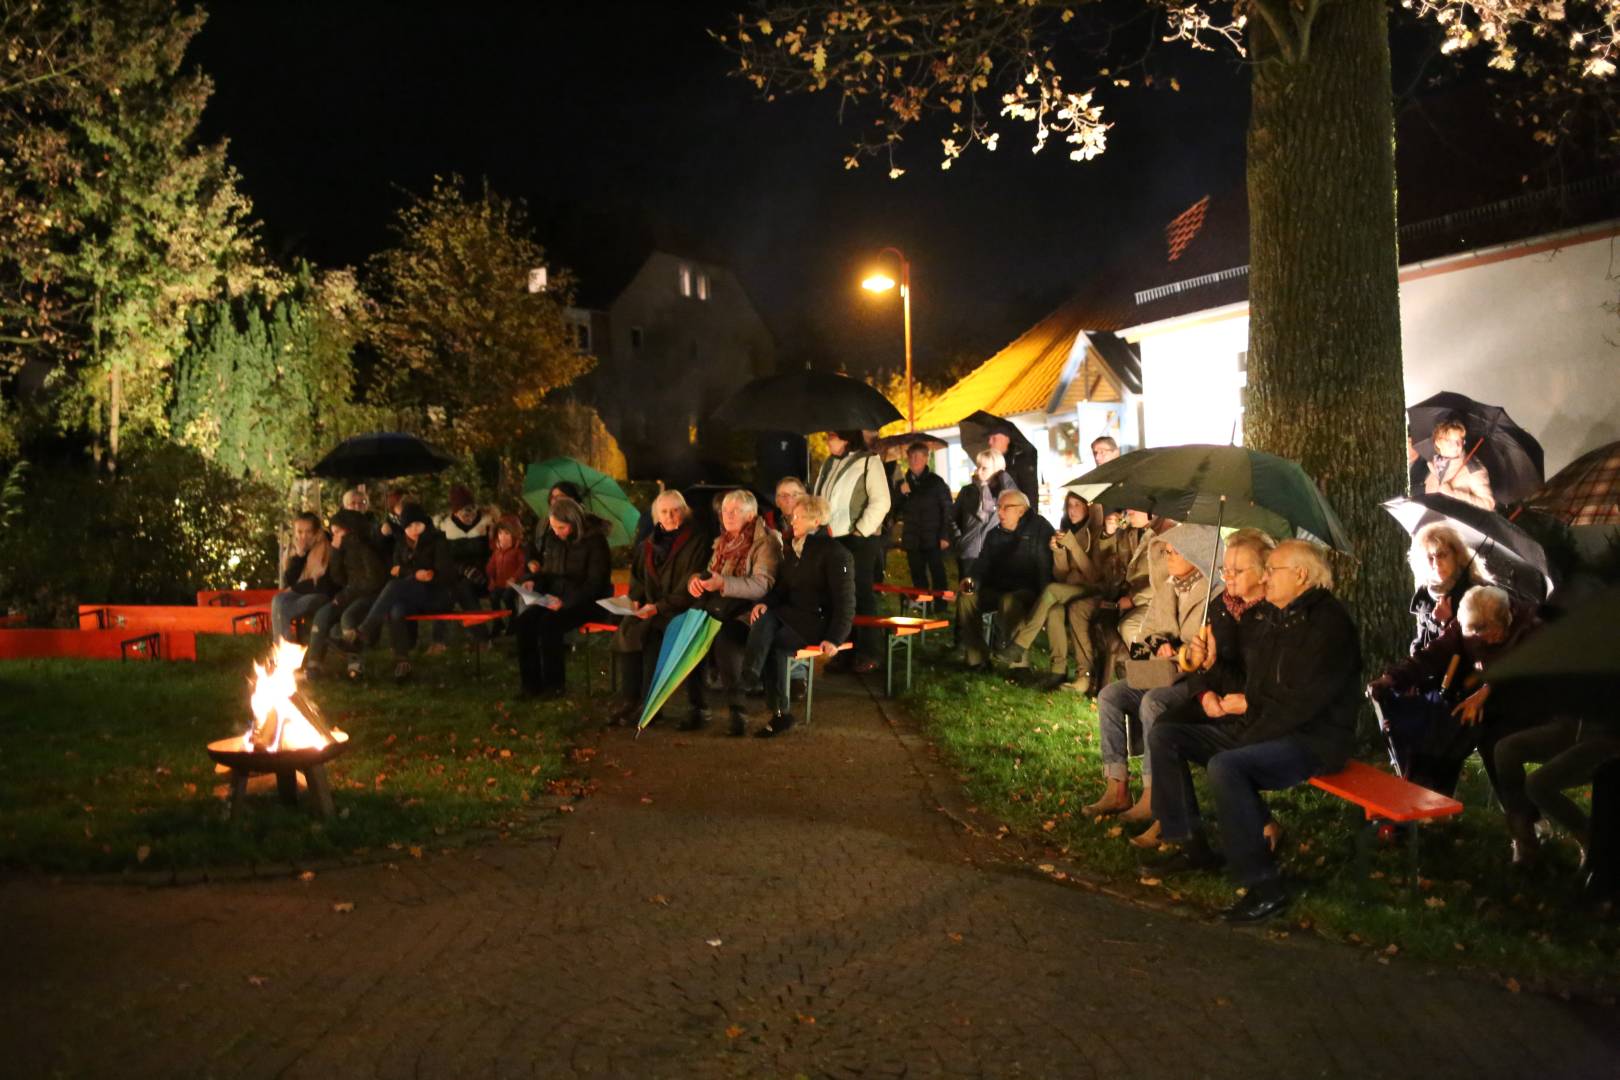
(702, 286)
(686, 280)
(635, 337)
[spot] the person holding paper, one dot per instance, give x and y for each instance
(571, 570)
(660, 567)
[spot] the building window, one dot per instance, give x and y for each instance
(635, 337)
(702, 285)
(686, 280)
(582, 336)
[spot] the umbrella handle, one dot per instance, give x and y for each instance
(1215, 554)
(1472, 452)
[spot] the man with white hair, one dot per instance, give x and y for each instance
(1294, 719)
(1013, 568)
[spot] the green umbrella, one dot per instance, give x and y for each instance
(600, 494)
(686, 641)
(1221, 485)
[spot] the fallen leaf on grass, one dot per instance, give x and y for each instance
(733, 1032)
(565, 808)
(1434, 902)
(954, 936)
(1512, 985)
(416, 851)
(307, 876)
(658, 898)
(1116, 832)
(1392, 949)
(646, 800)
(1048, 825)
(256, 980)
(804, 1019)
(713, 943)
(1222, 1002)
(1046, 868)
(343, 907)
(143, 853)
(1150, 882)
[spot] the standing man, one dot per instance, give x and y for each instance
(1020, 459)
(856, 487)
(1104, 449)
(922, 502)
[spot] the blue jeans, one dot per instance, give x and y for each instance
(333, 618)
(289, 605)
(1115, 705)
(400, 599)
(765, 656)
(1237, 775)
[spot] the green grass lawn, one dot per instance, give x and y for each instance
(103, 765)
(1032, 759)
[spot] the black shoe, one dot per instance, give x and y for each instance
(778, 725)
(1013, 655)
(1191, 856)
(696, 720)
(978, 669)
(1258, 904)
(1051, 683)
(739, 724)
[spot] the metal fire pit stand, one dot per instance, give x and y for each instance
(285, 764)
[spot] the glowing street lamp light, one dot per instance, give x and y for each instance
(883, 283)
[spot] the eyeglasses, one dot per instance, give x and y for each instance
(1278, 566)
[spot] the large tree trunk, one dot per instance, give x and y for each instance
(1325, 383)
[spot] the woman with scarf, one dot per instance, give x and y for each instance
(306, 587)
(571, 570)
(660, 568)
(976, 507)
(742, 568)
(1174, 617)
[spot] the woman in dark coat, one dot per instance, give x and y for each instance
(571, 569)
(922, 502)
(660, 567)
(812, 601)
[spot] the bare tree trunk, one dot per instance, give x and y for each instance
(1324, 329)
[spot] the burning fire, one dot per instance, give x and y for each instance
(283, 719)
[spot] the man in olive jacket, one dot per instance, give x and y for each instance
(1294, 720)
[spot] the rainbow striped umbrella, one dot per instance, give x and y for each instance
(686, 641)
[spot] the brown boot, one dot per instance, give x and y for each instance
(1116, 798)
(1143, 810)
(1148, 838)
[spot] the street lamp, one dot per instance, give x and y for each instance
(883, 283)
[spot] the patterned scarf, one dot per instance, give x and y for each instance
(1184, 584)
(730, 558)
(1236, 605)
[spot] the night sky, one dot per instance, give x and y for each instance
(617, 122)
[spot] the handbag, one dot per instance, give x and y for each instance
(1151, 674)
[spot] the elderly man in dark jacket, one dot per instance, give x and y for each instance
(1295, 719)
(922, 501)
(357, 571)
(1013, 568)
(811, 602)
(661, 566)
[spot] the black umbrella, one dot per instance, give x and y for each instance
(382, 454)
(805, 402)
(1512, 556)
(977, 429)
(1511, 455)
(1577, 657)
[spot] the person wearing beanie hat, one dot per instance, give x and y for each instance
(422, 567)
(359, 575)
(1154, 685)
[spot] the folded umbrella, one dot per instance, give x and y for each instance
(805, 402)
(600, 494)
(1510, 554)
(686, 641)
(1229, 486)
(1510, 454)
(382, 454)
(1584, 492)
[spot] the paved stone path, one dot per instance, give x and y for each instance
(729, 908)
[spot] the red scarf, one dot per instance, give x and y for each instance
(730, 558)
(1236, 605)
(675, 545)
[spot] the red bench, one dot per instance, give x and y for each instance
(201, 620)
(465, 619)
(117, 644)
(1385, 797)
(899, 630)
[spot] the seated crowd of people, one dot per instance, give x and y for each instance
(1247, 666)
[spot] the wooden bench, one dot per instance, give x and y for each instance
(235, 597)
(900, 629)
(805, 660)
(465, 619)
(201, 620)
(109, 644)
(585, 632)
(922, 600)
(1385, 797)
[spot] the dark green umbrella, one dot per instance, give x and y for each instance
(1579, 653)
(600, 494)
(1229, 486)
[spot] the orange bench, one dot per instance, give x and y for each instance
(235, 597)
(900, 630)
(122, 644)
(1385, 797)
(201, 620)
(805, 660)
(466, 619)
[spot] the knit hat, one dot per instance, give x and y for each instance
(459, 497)
(351, 521)
(1196, 543)
(411, 513)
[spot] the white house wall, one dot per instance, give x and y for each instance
(1531, 333)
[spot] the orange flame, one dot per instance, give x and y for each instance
(280, 721)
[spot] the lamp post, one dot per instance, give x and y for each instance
(883, 283)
